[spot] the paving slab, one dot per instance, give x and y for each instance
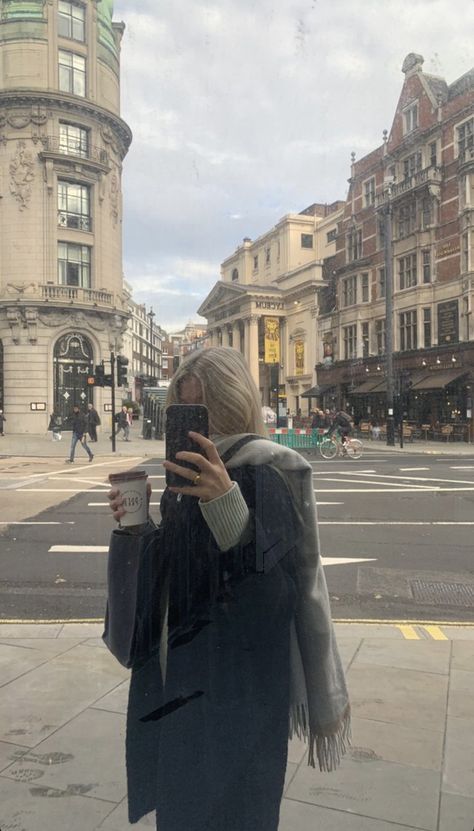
(117, 820)
(423, 656)
(463, 655)
(23, 808)
(458, 774)
(456, 813)
(461, 694)
(376, 789)
(401, 696)
(89, 749)
(299, 816)
(18, 657)
(397, 743)
(8, 753)
(39, 702)
(116, 701)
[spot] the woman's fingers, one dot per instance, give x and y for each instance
(207, 445)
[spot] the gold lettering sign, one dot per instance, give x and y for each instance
(272, 340)
(299, 357)
(447, 249)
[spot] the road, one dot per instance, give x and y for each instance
(396, 533)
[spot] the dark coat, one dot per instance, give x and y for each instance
(208, 749)
(93, 418)
(79, 424)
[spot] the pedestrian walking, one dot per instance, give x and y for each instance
(123, 423)
(55, 424)
(93, 421)
(79, 428)
(2, 421)
(245, 654)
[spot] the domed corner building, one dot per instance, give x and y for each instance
(62, 143)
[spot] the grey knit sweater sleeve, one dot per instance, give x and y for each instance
(227, 517)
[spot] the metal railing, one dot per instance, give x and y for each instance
(53, 144)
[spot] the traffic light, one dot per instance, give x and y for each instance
(122, 364)
(100, 375)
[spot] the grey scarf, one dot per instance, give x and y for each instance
(319, 702)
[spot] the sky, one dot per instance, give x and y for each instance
(245, 110)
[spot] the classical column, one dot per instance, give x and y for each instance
(236, 339)
(251, 338)
(225, 336)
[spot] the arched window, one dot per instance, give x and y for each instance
(235, 274)
(73, 363)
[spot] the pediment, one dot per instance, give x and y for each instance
(221, 294)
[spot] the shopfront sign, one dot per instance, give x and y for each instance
(272, 340)
(448, 322)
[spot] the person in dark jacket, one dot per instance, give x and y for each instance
(79, 428)
(342, 422)
(247, 651)
(55, 425)
(93, 421)
(122, 421)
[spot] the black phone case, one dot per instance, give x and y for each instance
(180, 419)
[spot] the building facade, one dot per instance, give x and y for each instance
(265, 304)
(417, 187)
(63, 307)
(143, 346)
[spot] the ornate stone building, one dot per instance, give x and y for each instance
(266, 303)
(62, 143)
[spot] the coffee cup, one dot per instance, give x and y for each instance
(132, 486)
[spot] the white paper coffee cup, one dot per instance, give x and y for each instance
(132, 486)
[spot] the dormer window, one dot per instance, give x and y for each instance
(410, 119)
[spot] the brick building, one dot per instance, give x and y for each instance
(423, 176)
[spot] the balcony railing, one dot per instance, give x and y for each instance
(428, 176)
(74, 294)
(78, 221)
(75, 150)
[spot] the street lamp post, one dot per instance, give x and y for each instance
(151, 315)
(387, 213)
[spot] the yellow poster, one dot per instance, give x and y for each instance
(272, 340)
(299, 357)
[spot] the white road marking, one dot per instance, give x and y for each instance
(462, 467)
(406, 468)
(106, 504)
(401, 489)
(36, 523)
(86, 467)
(343, 470)
(371, 482)
(383, 522)
(345, 561)
(56, 490)
(420, 478)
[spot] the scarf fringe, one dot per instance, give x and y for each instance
(329, 748)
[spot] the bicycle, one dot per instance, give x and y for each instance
(333, 446)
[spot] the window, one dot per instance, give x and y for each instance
(74, 141)
(410, 119)
(426, 328)
(407, 271)
(365, 340)
(306, 240)
(408, 330)
(71, 20)
(354, 244)
(331, 235)
(411, 165)
(72, 73)
(381, 292)
(433, 154)
(426, 254)
(255, 263)
(74, 206)
(364, 282)
(465, 252)
(74, 265)
(235, 274)
(426, 212)
(369, 192)
(350, 342)
(349, 291)
(406, 219)
(466, 136)
(380, 336)
(267, 256)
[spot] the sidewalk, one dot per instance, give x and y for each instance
(41, 446)
(62, 721)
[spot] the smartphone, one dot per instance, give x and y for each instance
(180, 419)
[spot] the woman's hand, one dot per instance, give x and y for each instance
(211, 480)
(116, 502)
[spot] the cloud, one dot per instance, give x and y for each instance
(245, 110)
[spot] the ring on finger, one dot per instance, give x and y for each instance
(196, 479)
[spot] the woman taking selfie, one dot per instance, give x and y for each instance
(245, 655)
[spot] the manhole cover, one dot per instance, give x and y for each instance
(453, 594)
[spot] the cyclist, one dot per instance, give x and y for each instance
(342, 422)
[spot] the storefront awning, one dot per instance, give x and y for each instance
(367, 387)
(316, 391)
(439, 380)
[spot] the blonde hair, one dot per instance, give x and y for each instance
(228, 390)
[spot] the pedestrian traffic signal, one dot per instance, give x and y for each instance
(122, 364)
(91, 380)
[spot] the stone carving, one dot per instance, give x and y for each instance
(31, 319)
(114, 198)
(21, 175)
(109, 138)
(15, 322)
(21, 288)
